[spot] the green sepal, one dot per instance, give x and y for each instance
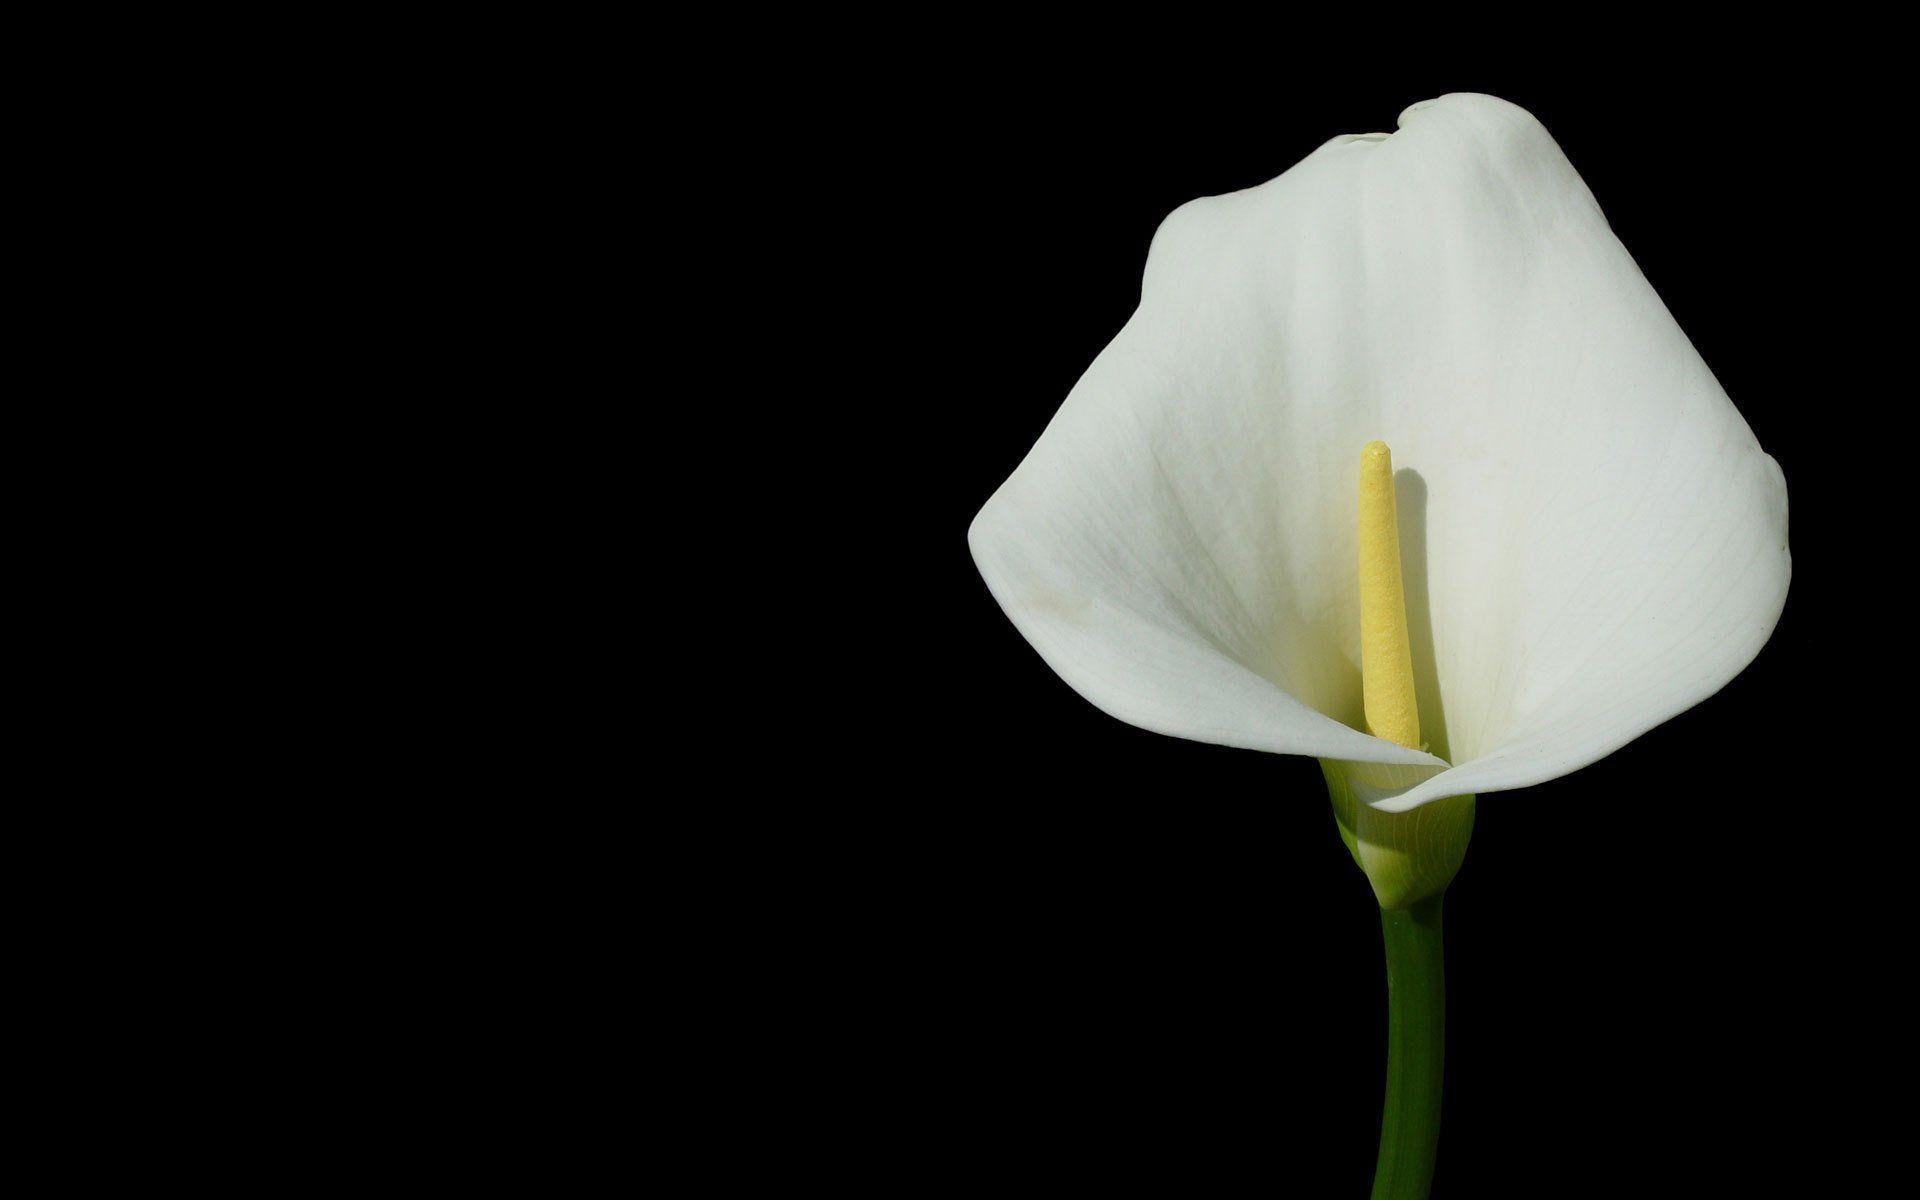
(1407, 857)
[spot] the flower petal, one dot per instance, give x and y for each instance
(1594, 540)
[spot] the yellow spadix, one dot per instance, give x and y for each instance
(1411, 856)
(1386, 656)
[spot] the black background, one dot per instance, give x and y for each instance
(1116, 958)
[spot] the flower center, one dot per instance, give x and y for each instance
(1386, 656)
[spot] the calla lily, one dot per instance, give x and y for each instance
(1596, 540)
(1590, 537)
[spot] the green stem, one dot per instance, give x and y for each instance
(1416, 1050)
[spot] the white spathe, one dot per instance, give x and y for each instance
(1593, 539)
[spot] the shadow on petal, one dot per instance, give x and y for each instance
(1410, 499)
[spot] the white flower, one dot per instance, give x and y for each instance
(1593, 539)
